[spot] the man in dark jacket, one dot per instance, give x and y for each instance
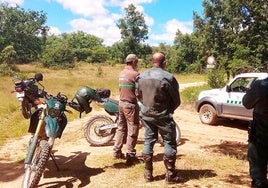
(257, 98)
(158, 91)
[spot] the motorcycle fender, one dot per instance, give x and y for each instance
(34, 120)
(52, 127)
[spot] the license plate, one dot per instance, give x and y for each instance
(20, 95)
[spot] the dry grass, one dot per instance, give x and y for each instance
(64, 81)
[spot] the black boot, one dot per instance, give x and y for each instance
(132, 160)
(171, 176)
(263, 185)
(148, 170)
(118, 155)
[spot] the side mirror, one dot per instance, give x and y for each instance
(38, 77)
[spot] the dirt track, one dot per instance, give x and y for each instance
(73, 152)
(75, 156)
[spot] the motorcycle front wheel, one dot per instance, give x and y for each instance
(94, 132)
(34, 170)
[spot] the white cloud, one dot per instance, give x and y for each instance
(173, 25)
(170, 30)
(105, 29)
(97, 20)
(125, 3)
(84, 7)
(12, 2)
(54, 31)
(149, 20)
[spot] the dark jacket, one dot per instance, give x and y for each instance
(257, 97)
(158, 91)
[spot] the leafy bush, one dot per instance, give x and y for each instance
(58, 55)
(8, 55)
(6, 69)
(216, 78)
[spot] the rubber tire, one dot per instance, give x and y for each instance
(208, 115)
(39, 161)
(26, 108)
(92, 126)
(178, 136)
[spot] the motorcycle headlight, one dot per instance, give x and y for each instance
(54, 112)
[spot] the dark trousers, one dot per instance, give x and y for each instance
(165, 126)
(257, 157)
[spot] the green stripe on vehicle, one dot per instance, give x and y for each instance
(233, 102)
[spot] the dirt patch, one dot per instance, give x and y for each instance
(78, 168)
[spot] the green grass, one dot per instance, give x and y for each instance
(189, 78)
(67, 82)
(190, 94)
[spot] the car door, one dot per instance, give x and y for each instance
(232, 104)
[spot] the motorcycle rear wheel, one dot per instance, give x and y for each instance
(34, 170)
(94, 135)
(26, 108)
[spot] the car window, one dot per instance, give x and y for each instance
(242, 84)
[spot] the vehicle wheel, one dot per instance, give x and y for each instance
(26, 109)
(34, 170)
(178, 135)
(95, 136)
(208, 115)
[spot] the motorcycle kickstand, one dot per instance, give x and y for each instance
(54, 161)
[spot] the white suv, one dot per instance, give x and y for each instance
(227, 101)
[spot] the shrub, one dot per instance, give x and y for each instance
(58, 55)
(216, 78)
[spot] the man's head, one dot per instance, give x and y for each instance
(132, 60)
(159, 60)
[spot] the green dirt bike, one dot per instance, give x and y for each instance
(46, 124)
(100, 129)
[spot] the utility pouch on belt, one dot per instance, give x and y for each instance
(251, 131)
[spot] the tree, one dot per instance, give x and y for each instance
(234, 32)
(25, 31)
(134, 33)
(57, 53)
(62, 50)
(185, 53)
(99, 54)
(82, 44)
(133, 25)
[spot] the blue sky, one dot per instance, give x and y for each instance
(99, 17)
